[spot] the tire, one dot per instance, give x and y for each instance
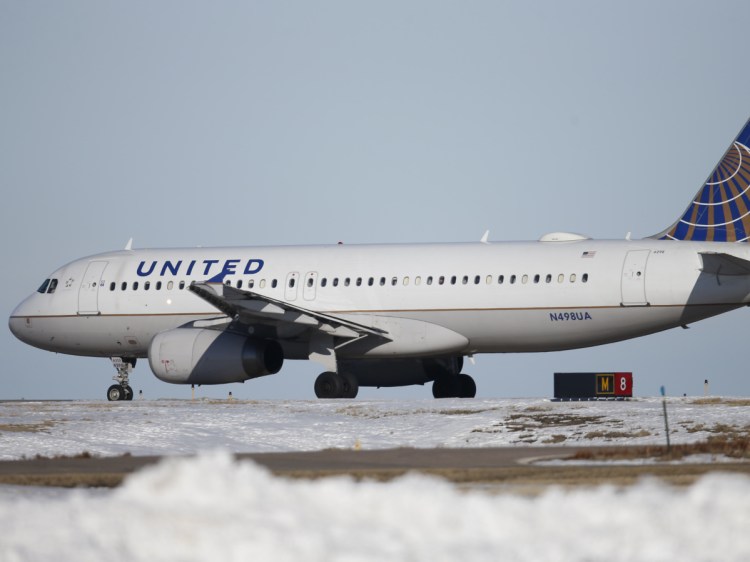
(446, 387)
(350, 385)
(329, 385)
(115, 393)
(128, 393)
(468, 388)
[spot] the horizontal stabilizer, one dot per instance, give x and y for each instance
(720, 263)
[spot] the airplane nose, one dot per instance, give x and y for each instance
(20, 323)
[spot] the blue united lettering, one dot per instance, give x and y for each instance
(216, 268)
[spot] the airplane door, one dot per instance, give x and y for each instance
(634, 278)
(311, 284)
(88, 294)
(292, 280)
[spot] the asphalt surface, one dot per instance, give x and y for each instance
(514, 467)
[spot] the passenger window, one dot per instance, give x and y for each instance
(135, 285)
(263, 283)
(501, 279)
(536, 278)
(112, 286)
(525, 279)
(323, 282)
(429, 280)
(346, 282)
(548, 279)
(476, 280)
(274, 283)
(441, 280)
(228, 282)
(310, 282)
(124, 286)
(239, 284)
(465, 280)
(359, 281)
(512, 279)
(370, 281)
(43, 288)
(52, 286)
(291, 283)
(585, 278)
(406, 281)
(335, 281)
(382, 281)
(170, 285)
(560, 278)
(572, 277)
(147, 285)
(489, 280)
(250, 283)
(182, 285)
(453, 279)
(394, 281)
(158, 285)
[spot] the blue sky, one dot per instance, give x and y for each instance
(241, 123)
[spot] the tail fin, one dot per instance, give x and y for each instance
(720, 211)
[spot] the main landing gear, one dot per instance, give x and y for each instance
(454, 386)
(336, 385)
(121, 390)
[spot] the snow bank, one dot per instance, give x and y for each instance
(213, 508)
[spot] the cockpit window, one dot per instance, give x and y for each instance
(43, 288)
(52, 286)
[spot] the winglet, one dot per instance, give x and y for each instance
(485, 237)
(129, 245)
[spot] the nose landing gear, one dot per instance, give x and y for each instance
(121, 390)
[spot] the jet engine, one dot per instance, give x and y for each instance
(204, 356)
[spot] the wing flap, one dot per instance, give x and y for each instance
(253, 308)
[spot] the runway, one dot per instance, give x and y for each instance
(519, 468)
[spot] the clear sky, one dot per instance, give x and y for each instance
(238, 123)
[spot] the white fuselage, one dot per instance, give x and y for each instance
(497, 297)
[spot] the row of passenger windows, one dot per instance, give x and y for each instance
(169, 285)
(453, 280)
(382, 281)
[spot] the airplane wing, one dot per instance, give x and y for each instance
(248, 307)
(720, 263)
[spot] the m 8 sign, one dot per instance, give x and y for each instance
(593, 386)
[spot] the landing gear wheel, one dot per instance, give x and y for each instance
(454, 386)
(121, 390)
(468, 388)
(446, 387)
(329, 385)
(350, 385)
(115, 392)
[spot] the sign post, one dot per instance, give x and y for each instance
(666, 421)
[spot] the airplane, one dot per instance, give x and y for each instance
(399, 314)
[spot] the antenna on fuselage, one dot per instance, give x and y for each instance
(485, 237)
(129, 245)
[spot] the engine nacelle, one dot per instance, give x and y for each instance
(203, 356)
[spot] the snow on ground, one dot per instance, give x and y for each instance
(211, 507)
(214, 508)
(158, 427)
